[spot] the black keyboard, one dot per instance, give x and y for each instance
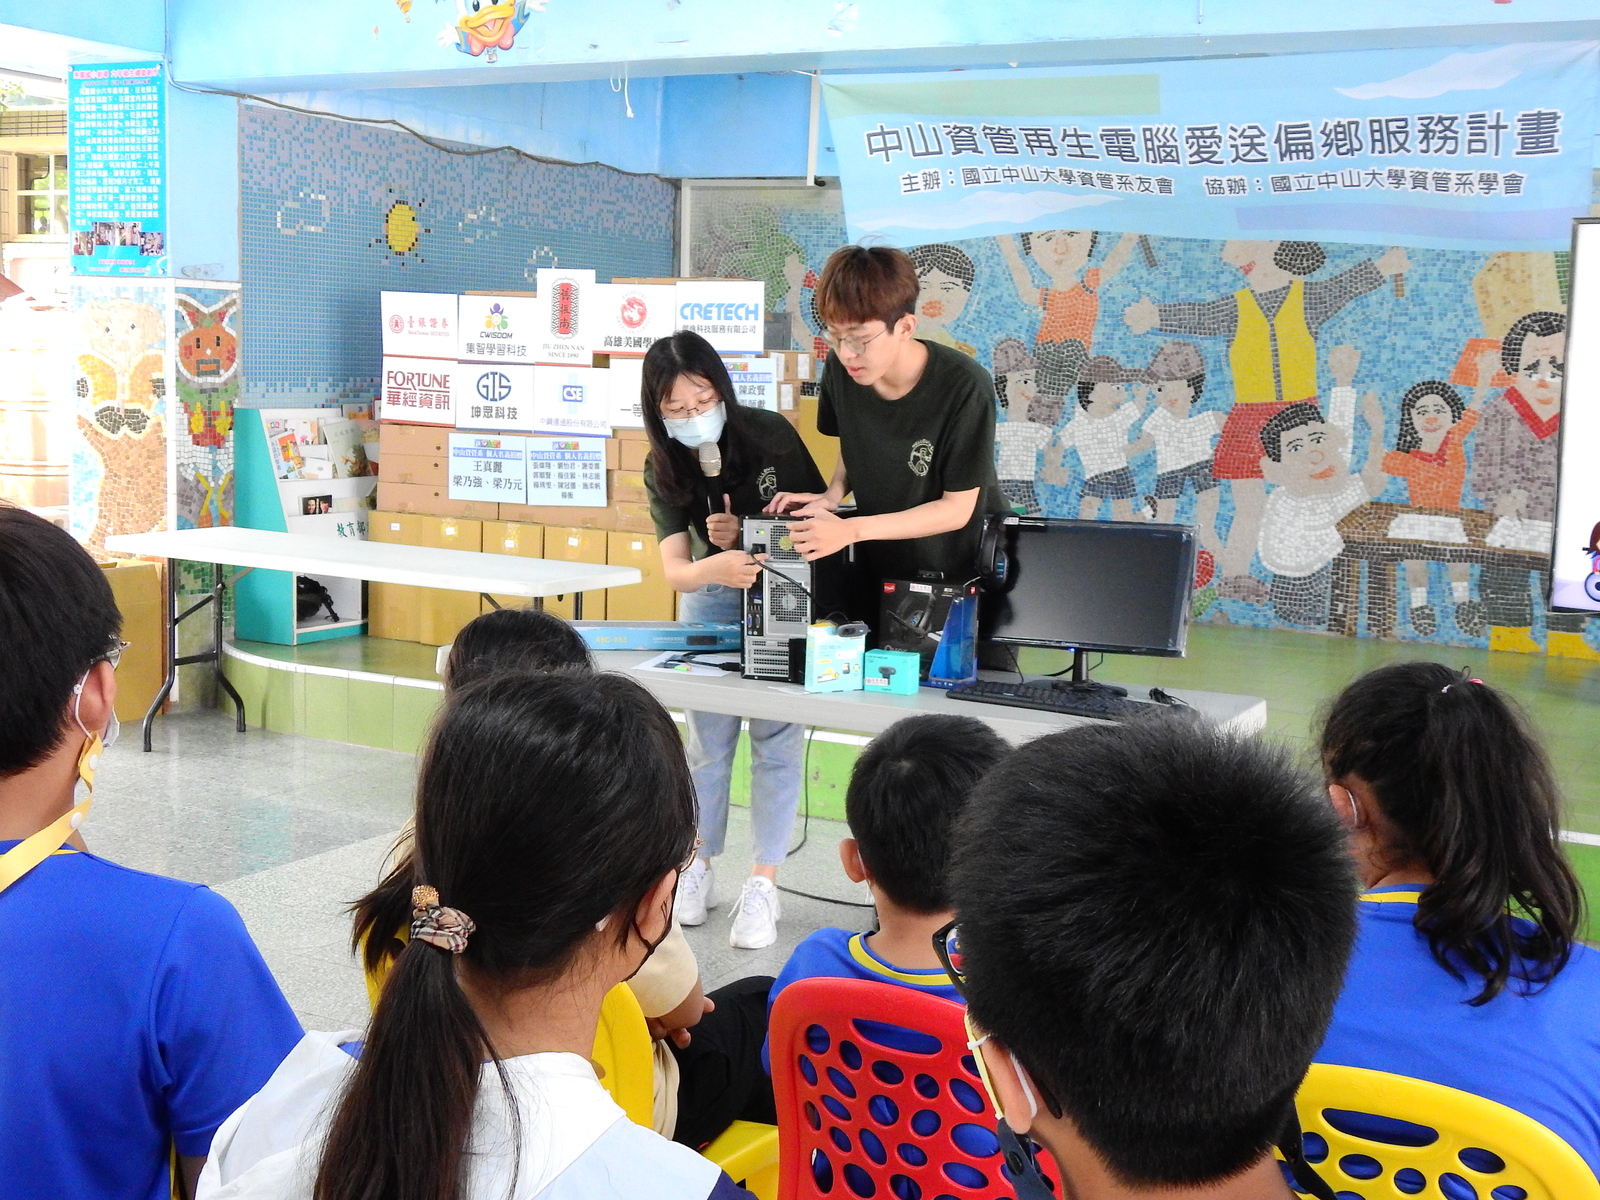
(1048, 697)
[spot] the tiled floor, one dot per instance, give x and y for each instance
(291, 830)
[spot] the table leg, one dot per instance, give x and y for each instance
(577, 606)
(1380, 598)
(223, 682)
(172, 652)
(1346, 594)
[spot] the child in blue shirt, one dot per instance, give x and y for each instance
(1467, 971)
(908, 787)
(135, 1012)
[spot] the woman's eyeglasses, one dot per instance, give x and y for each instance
(706, 400)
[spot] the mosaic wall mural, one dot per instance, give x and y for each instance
(333, 213)
(207, 372)
(1364, 436)
(118, 475)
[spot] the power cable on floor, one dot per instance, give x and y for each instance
(805, 835)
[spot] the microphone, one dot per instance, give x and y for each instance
(710, 466)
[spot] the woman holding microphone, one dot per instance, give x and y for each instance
(689, 402)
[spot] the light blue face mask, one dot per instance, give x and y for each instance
(703, 427)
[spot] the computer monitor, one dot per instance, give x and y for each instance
(1117, 586)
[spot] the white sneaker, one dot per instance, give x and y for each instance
(697, 891)
(755, 919)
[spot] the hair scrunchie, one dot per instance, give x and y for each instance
(446, 928)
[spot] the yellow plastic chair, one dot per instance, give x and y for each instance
(747, 1151)
(623, 1051)
(1430, 1141)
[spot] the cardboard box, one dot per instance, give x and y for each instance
(536, 514)
(625, 433)
(425, 470)
(141, 596)
(651, 600)
(430, 441)
(631, 455)
(824, 450)
(574, 544)
(431, 501)
(614, 455)
(441, 614)
(515, 538)
(627, 487)
(633, 518)
(392, 608)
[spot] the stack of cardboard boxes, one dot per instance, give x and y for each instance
(414, 509)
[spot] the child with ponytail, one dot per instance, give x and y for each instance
(1467, 970)
(545, 857)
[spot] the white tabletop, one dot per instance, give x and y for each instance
(873, 712)
(379, 562)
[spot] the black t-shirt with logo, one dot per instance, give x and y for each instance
(937, 438)
(783, 465)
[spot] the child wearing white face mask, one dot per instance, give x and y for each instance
(688, 403)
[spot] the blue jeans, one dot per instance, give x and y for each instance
(777, 752)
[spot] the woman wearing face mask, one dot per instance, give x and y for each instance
(689, 400)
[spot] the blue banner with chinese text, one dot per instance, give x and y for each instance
(1454, 149)
(117, 128)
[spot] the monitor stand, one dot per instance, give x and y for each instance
(1078, 681)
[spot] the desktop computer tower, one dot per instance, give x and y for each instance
(785, 600)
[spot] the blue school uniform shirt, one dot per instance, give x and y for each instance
(135, 1013)
(1403, 1013)
(840, 954)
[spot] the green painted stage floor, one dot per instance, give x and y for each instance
(1297, 674)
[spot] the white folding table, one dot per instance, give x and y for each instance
(375, 562)
(873, 712)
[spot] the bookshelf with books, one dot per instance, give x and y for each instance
(307, 471)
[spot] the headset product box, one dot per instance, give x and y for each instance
(834, 655)
(913, 614)
(893, 672)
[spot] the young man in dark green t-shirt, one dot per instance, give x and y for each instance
(915, 423)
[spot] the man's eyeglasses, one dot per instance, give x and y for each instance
(113, 655)
(855, 345)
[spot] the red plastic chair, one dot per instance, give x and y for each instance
(878, 1096)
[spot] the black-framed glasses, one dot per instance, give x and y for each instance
(947, 945)
(113, 655)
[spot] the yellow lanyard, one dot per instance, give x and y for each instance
(1392, 897)
(31, 851)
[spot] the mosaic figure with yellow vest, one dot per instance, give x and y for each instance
(1271, 325)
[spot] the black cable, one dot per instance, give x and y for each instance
(790, 578)
(435, 143)
(805, 836)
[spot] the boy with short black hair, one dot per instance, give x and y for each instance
(1155, 920)
(906, 793)
(135, 1012)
